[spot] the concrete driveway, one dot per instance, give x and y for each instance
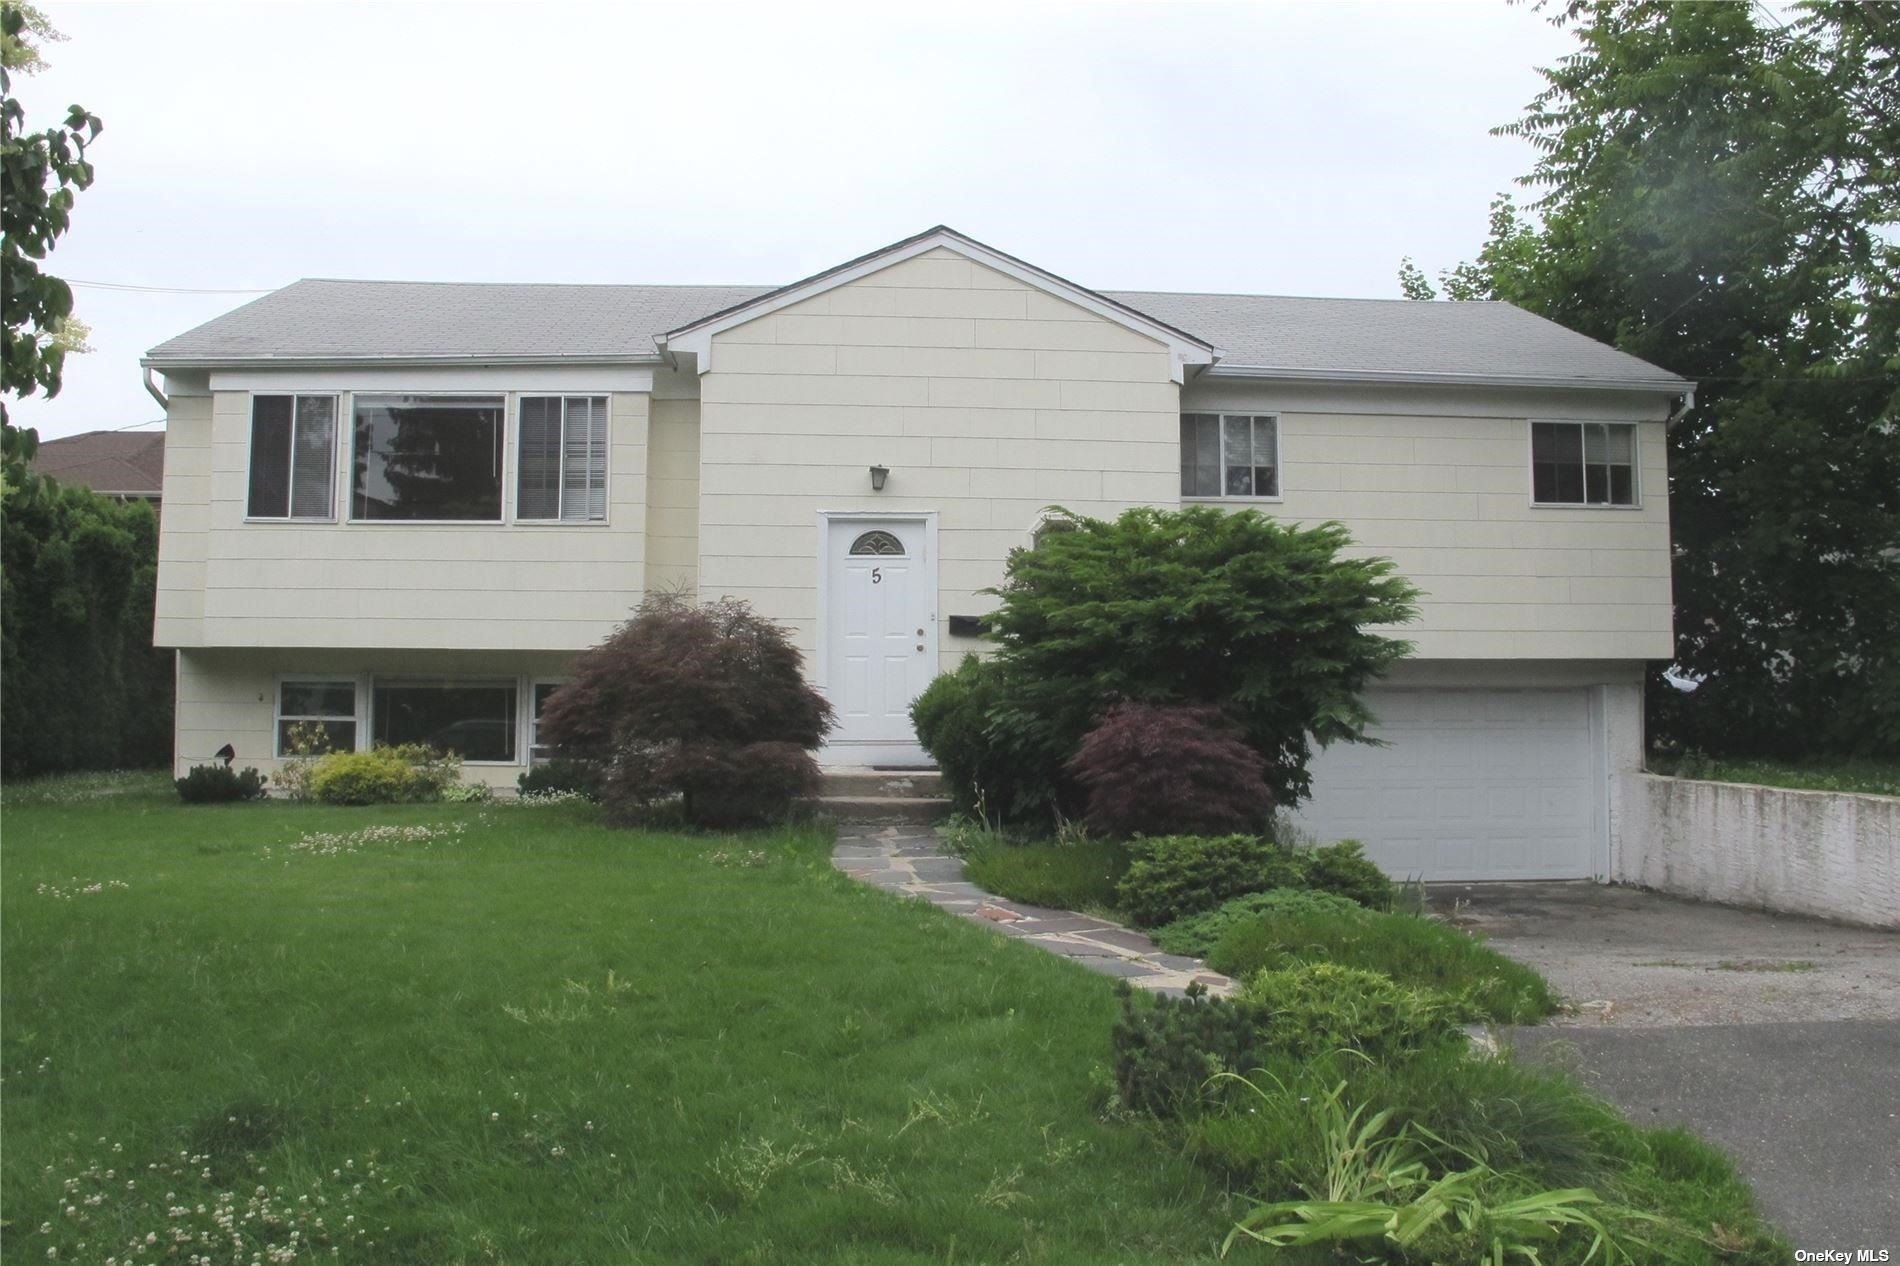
(1774, 1036)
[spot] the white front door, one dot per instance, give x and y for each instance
(880, 635)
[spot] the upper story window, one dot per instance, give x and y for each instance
(1583, 463)
(561, 471)
(428, 458)
(293, 458)
(1230, 455)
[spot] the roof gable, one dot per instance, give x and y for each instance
(696, 337)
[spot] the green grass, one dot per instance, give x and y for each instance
(537, 1039)
(1875, 777)
(1412, 950)
(1069, 876)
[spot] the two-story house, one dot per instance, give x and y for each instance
(396, 510)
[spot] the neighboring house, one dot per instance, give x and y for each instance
(128, 464)
(396, 510)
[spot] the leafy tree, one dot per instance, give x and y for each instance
(703, 706)
(1160, 768)
(1721, 197)
(80, 685)
(39, 174)
(1268, 621)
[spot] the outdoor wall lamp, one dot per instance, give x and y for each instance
(878, 475)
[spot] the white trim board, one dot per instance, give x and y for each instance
(696, 339)
(573, 380)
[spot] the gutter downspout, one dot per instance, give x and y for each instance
(156, 394)
(1684, 403)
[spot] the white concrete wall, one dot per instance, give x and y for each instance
(1820, 853)
(230, 696)
(517, 586)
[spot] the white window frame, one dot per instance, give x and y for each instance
(503, 510)
(531, 717)
(337, 399)
(1530, 466)
(1279, 466)
(425, 680)
(607, 460)
(329, 679)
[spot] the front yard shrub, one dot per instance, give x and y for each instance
(1081, 875)
(984, 776)
(1198, 934)
(577, 777)
(214, 784)
(1344, 869)
(1481, 983)
(696, 709)
(1167, 1049)
(378, 776)
(1161, 769)
(1264, 619)
(1173, 876)
(1320, 1007)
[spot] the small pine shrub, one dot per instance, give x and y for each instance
(576, 777)
(1320, 1007)
(378, 776)
(1166, 1049)
(698, 709)
(1170, 769)
(431, 772)
(1198, 934)
(1344, 868)
(1177, 875)
(216, 784)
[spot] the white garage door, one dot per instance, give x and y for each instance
(1476, 784)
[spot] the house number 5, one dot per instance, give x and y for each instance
(877, 575)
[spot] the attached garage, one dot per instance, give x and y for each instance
(1472, 785)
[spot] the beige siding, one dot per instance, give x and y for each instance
(1447, 498)
(501, 586)
(987, 398)
(673, 495)
(184, 522)
(230, 696)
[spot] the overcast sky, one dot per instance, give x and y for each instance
(1272, 148)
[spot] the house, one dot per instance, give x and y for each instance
(124, 464)
(395, 510)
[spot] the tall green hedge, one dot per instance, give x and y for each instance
(80, 685)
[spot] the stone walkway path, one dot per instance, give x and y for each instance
(911, 862)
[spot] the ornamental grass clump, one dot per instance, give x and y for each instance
(699, 710)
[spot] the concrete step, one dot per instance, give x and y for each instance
(886, 783)
(882, 810)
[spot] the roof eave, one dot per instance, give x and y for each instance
(1668, 384)
(163, 363)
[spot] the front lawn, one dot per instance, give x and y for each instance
(495, 1033)
(1875, 777)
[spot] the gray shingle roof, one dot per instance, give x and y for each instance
(400, 320)
(1390, 336)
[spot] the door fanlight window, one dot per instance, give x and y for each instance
(880, 543)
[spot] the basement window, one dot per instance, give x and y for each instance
(474, 719)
